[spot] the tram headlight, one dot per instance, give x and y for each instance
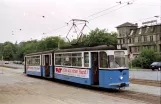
(121, 77)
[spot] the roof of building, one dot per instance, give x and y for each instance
(126, 24)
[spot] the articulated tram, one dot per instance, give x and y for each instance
(103, 66)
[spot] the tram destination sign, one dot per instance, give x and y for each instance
(75, 72)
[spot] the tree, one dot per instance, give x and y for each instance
(145, 58)
(98, 37)
(8, 51)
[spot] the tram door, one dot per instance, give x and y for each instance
(47, 66)
(95, 67)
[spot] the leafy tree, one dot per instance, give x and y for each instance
(145, 58)
(98, 37)
(8, 51)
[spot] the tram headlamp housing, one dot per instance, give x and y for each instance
(121, 77)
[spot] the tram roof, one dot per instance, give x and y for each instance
(101, 47)
(38, 53)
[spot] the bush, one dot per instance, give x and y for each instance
(136, 63)
(146, 57)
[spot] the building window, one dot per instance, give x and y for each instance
(123, 41)
(145, 38)
(139, 39)
(132, 40)
(142, 38)
(154, 37)
(151, 38)
(140, 31)
(147, 28)
(136, 39)
(152, 29)
(129, 40)
(118, 33)
(132, 31)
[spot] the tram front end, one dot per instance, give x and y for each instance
(113, 71)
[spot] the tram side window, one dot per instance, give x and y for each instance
(59, 59)
(103, 60)
(28, 60)
(35, 60)
(76, 59)
(67, 59)
(112, 62)
(120, 58)
(86, 59)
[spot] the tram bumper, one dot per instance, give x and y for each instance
(124, 84)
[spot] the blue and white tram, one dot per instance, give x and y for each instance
(39, 64)
(103, 66)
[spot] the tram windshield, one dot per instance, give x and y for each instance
(118, 60)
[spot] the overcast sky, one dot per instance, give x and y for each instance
(27, 16)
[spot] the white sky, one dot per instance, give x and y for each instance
(27, 15)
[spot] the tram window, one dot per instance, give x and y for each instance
(76, 59)
(35, 60)
(86, 59)
(28, 60)
(59, 59)
(112, 62)
(120, 58)
(103, 60)
(67, 59)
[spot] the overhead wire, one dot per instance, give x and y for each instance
(53, 30)
(126, 4)
(101, 11)
(106, 13)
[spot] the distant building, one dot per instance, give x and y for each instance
(136, 38)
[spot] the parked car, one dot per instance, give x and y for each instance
(6, 62)
(155, 65)
(17, 62)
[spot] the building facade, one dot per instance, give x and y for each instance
(136, 38)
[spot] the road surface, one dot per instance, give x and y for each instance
(16, 88)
